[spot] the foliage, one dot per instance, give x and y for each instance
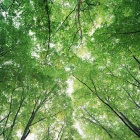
(95, 44)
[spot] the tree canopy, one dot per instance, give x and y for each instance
(69, 69)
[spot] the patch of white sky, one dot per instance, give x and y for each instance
(31, 136)
(4, 14)
(79, 129)
(82, 52)
(67, 69)
(66, 4)
(1, 1)
(19, 134)
(16, 19)
(37, 48)
(78, 126)
(31, 33)
(31, 3)
(97, 24)
(109, 19)
(36, 51)
(70, 89)
(10, 62)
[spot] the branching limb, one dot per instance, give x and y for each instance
(132, 75)
(97, 122)
(133, 101)
(49, 24)
(79, 23)
(65, 20)
(108, 105)
(61, 130)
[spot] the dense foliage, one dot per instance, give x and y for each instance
(48, 47)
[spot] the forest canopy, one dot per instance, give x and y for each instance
(69, 69)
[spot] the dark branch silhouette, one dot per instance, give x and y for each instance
(108, 105)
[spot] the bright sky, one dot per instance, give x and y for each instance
(31, 136)
(70, 89)
(78, 127)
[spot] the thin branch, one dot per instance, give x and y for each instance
(83, 83)
(48, 133)
(132, 75)
(45, 118)
(65, 20)
(15, 118)
(108, 105)
(10, 111)
(49, 24)
(3, 119)
(135, 58)
(34, 112)
(115, 112)
(79, 23)
(98, 123)
(131, 97)
(61, 130)
(133, 84)
(7, 51)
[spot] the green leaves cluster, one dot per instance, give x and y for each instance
(45, 43)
